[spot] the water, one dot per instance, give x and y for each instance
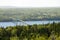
(5, 24)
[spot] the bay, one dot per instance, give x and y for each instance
(5, 24)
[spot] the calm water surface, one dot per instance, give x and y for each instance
(5, 24)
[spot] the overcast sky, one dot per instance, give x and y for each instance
(30, 3)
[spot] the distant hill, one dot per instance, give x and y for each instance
(29, 14)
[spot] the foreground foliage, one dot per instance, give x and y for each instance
(30, 32)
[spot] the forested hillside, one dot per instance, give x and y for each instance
(29, 14)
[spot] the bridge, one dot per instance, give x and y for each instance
(15, 21)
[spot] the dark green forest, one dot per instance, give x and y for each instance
(31, 32)
(29, 14)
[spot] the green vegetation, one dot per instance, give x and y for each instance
(31, 32)
(29, 14)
